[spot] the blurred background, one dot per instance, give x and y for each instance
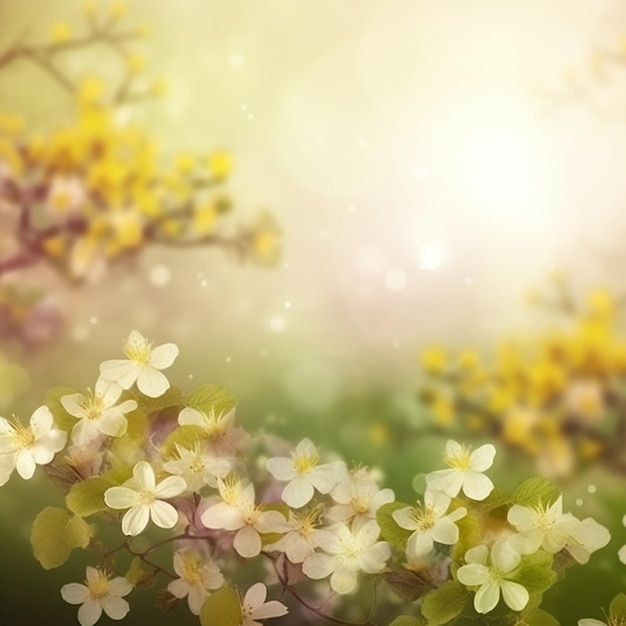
(426, 162)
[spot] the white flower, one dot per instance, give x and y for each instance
(98, 594)
(66, 195)
(143, 365)
(358, 498)
(24, 447)
(254, 606)
(222, 436)
(304, 475)
(551, 529)
(300, 540)
(238, 512)
(197, 577)
(97, 412)
(347, 553)
(198, 467)
(143, 499)
(466, 471)
(430, 524)
(493, 579)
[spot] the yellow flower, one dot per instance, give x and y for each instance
(118, 10)
(220, 164)
(204, 219)
(61, 32)
(434, 360)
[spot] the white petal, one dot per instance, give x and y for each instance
(115, 607)
(374, 559)
(487, 597)
(75, 593)
(476, 486)
(108, 390)
(163, 356)
(449, 481)
(152, 383)
(112, 423)
(522, 518)
(306, 448)
(197, 597)
(343, 580)
(72, 403)
(7, 465)
(135, 340)
(477, 554)
(170, 487)
(135, 520)
(24, 464)
(272, 522)
(119, 586)
(89, 613)
(144, 475)
(445, 531)
(179, 588)
(121, 371)
(192, 417)
(504, 557)
(473, 574)
(368, 533)
(514, 595)
(224, 516)
(121, 497)
(482, 458)
(298, 492)
(420, 543)
(452, 448)
(41, 421)
(318, 566)
(325, 477)
(255, 596)
(247, 542)
(281, 468)
(163, 514)
(404, 518)
(273, 608)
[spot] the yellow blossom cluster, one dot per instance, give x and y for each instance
(557, 396)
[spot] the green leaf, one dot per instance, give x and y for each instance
(87, 497)
(535, 491)
(221, 609)
(617, 608)
(185, 436)
(406, 620)
(537, 617)
(470, 533)
(211, 398)
(390, 531)
(172, 397)
(52, 399)
(535, 572)
(55, 534)
(406, 584)
(445, 603)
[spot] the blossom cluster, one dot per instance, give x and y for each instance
(555, 397)
(136, 452)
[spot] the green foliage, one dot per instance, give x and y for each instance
(185, 436)
(535, 573)
(172, 397)
(469, 536)
(617, 609)
(221, 609)
(211, 398)
(55, 534)
(406, 584)
(535, 491)
(537, 617)
(445, 603)
(406, 620)
(87, 497)
(52, 400)
(390, 531)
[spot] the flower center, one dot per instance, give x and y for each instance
(360, 504)
(99, 587)
(459, 461)
(304, 464)
(230, 488)
(544, 521)
(424, 517)
(308, 522)
(139, 352)
(92, 405)
(191, 571)
(146, 496)
(23, 435)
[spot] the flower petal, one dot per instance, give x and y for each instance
(114, 607)
(24, 464)
(121, 497)
(343, 580)
(119, 586)
(72, 403)
(41, 421)
(163, 356)
(163, 514)
(298, 492)
(170, 487)
(476, 486)
(482, 458)
(255, 596)
(325, 477)
(514, 595)
(135, 520)
(144, 475)
(89, 613)
(75, 593)
(121, 371)
(318, 566)
(473, 574)
(273, 608)
(151, 382)
(281, 468)
(487, 597)
(247, 542)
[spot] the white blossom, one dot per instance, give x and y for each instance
(429, 523)
(25, 447)
(198, 467)
(197, 575)
(300, 538)
(98, 413)
(237, 511)
(347, 552)
(491, 572)
(143, 498)
(254, 607)
(465, 473)
(303, 474)
(143, 366)
(96, 595)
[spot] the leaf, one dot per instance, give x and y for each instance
(617, 608)
(469, 536)
(221, 609)
(535, 491)
(445, 603)
(406, 584)
(406, 620)
(55, 534)
(211, 398)
(537, 617)
(390, 531)
(172, 397)
(52, 399)
(535, 572)
(185, 436)
(87, 497)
